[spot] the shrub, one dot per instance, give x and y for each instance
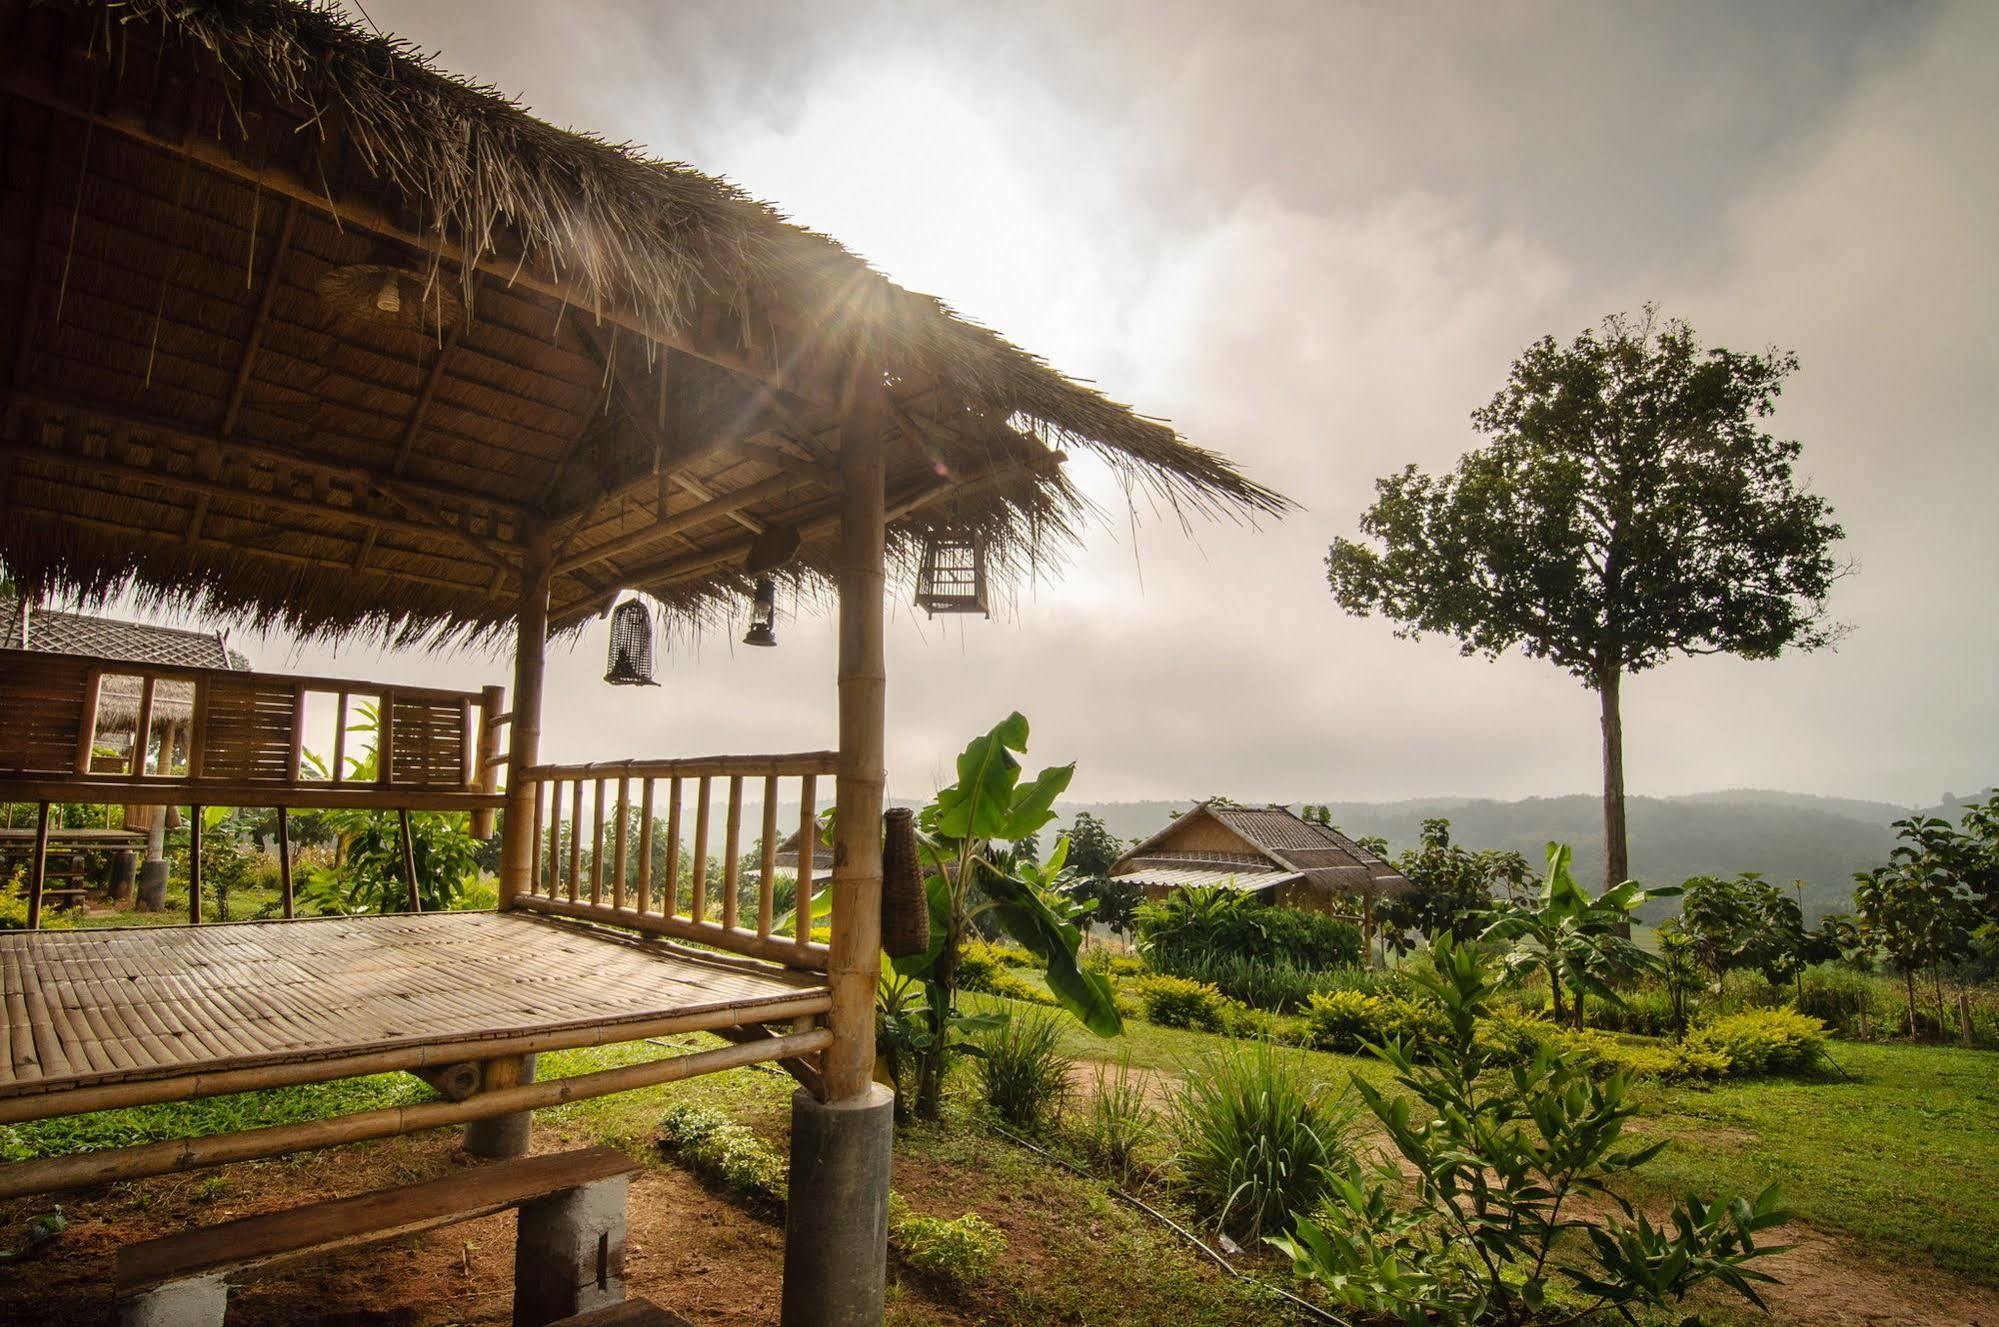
(1118, 1119)
(978, 964)
(1838, 996)
(1024, 1068)
(1759, 1041)
(1256, 1133)
(1111, 963)
(1011, 985)
(1177, 1002)
(724, 1153)
(1277, 986)
(1239, 1020)
(963, 1249)
(1415, 1023)
(1194, 924)
(1343, 1020)
(1646, 1012)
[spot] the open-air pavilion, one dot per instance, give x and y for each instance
(298, 330)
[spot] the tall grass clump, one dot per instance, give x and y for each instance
(1024, 1069)
(1118, 1120)
(1255, 1136)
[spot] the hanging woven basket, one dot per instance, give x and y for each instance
(905, 904)
(630, 660)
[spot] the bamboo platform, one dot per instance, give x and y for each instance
(314, 999)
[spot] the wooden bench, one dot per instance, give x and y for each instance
(568, 1256)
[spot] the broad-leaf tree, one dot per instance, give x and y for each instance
(1629, 507)
(1453, 887)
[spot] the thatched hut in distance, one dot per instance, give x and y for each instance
(1267, 851)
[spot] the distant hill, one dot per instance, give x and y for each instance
(1822, 841)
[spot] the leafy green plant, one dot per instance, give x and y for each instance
(1024, 1069)
(1581, 944)
(1502, 1156)
(961, 1249)
(1344, 1021)
(1452, 887)
(969, 836)
(724, 1153)
(1255, 1133)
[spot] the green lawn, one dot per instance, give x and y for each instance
(1906, 1158)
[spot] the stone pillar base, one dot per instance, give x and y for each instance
(196, 1302)
(569, 1257)
(836, 1221)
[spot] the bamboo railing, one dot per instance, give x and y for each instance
(659, 846)
(232, 737)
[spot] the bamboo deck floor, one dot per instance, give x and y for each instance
(119, 1005)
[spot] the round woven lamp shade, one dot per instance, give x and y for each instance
(397, 296)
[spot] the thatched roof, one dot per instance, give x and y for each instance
(1269, 845)
(222, 388)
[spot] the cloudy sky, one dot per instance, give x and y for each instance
(1314, 236)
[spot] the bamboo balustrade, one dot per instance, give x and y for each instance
(232, 737)
(598, 855)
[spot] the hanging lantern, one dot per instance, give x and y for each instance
(763, 614)
(952, 578)
(630, 662)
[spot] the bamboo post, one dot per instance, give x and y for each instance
(142, 731)
(731, 852)
(524, 735)
(409, 860)
(38, 868)
(194, 866)
(623, 834)
(285, 859)
(597, 841)
(697, 907)
(670, 898)
(645, 844)
(854, 963)
(486, 769)
(86, 723)
(340, 738)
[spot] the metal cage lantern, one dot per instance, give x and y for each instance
(630, 661)
(763, 614)
(952, 578)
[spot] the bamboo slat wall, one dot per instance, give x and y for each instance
(244, 739)
(681, 847)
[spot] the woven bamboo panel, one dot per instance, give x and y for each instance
(41, 709)
(427, 743)
(248, 734)
(86, 1007)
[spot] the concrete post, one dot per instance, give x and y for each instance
(197, 1302)
(836, 1219)
(503, 1135)
(569, 1257)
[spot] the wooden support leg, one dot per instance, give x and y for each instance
(38, 869)
(285, 859)
(569, 1256)
(199, 1301)
(194, 867)
(409, 861)
(504, 1135)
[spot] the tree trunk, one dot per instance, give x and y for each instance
(1616, 858)
(1909, 979)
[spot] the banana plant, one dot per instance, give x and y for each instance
(1581, 943)
(963, 835)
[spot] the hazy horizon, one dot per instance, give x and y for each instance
(1315, 237)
